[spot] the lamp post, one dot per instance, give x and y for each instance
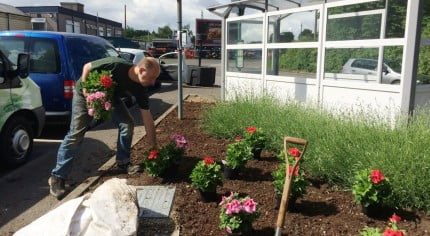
(179, 3)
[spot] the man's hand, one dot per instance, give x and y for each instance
(148, 121)
(85, 72)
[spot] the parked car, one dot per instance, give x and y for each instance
(363, 66)
(22, 115)
(170, 71)
(56, 61)
(133, 55)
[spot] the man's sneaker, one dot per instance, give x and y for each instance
(129, 168)
(56, 187)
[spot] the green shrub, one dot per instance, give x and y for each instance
(340, 144)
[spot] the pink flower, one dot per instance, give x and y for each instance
(224, 198)
(233, 207)
(107, 106)
(395, 218)
(249, 206)
(238, 138)
(228, 229)
(376, 176)
(251, 129)
(91, 112)
(99, 95)
(179, 140)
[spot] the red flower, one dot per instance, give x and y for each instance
(376, 176)
(153, 154)
(238, 138)
(290, 170)
(294, 152)
(395, 218)
(208, 161)
(106, 81)
(391, 232)
(251, 129)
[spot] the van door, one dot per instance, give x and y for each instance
(45, 70)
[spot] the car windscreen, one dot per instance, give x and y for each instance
(82, 50)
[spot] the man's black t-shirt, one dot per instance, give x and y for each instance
(119, 69)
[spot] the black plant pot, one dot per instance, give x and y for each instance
(257, 153)
(171, 171)
(208, 196)
(230, 173)
(291, 202)
(372, 210)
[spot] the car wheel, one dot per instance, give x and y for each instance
(396, 82)
(16, 141)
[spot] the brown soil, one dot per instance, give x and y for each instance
(323, 211)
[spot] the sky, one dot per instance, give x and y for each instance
(141, 14)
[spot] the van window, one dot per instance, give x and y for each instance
(84, 50)
(44, 57)
(11, 47)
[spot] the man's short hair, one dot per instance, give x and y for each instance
(151, 65)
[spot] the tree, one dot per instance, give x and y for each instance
(164, 32)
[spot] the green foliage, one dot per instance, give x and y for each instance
(206, 177)
(371, 231)
(234, 217)
(367, 192)
(100, 88)
(341, 144)
(238, 153)
(156, 161)
(255, 138)
(92, 84)
(299, 182)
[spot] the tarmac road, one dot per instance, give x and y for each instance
(24, 192)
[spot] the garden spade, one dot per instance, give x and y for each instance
(288, 184)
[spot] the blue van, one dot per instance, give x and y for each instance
(56, 61)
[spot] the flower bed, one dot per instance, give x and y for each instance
(322, 210)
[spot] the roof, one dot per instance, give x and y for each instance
(11, 9)
(66, 11)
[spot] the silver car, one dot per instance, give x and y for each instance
(363, 66)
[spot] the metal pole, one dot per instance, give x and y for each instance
(125, 20)
(179, 3)
(411, 50)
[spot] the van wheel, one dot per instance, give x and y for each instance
(16, 141)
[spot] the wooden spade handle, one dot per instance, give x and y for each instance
(288, 179)
(295, 140)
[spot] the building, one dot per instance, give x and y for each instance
(70, 17)
(293, 51)
(13, 19)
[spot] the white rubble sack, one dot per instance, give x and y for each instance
(111, 210)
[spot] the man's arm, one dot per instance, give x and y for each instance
(85, 72)
(149, 127)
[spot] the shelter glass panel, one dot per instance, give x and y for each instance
(392, 67)
(247, 31)
(355, 22)
(244, 60)
(351, 64)
(424, 65)
(294, 27)
(292, 62)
